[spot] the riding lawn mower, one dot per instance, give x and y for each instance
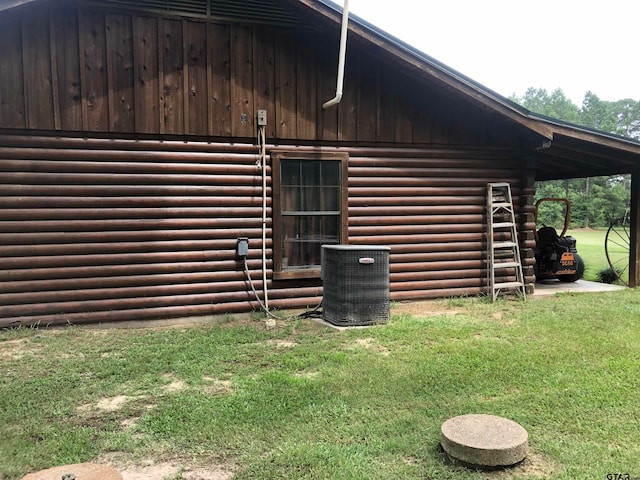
(556, 255)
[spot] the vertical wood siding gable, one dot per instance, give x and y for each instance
(173, 71)
(219, 78)
(121, 75)
(12, 104)
(64, 25)
(94, 70)
(147, 74)
(36, 62)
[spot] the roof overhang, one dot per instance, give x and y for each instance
(9, 4)
(563, 150)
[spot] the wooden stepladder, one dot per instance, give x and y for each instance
(503, 251)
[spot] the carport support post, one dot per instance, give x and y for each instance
(634, 240)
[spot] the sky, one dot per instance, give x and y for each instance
(511, 45)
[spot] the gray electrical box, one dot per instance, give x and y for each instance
(243, 247)
(262, 118)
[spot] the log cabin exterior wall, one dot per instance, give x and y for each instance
(129, 170)
(104, 230)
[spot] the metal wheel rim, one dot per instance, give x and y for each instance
(617, 241)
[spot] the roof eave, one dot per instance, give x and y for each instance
(432, 67)
(9, 4)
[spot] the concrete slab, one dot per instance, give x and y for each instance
(551, 287)
(485, 441)
(342, 328)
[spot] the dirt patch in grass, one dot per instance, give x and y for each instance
(370, 343)
(308, 375)
(282, 343)
(109, 404)
(161, 471)
(426, 308)
(174, 469)
(174, 385)
(20, 347)
(218, 387)
(534, 466)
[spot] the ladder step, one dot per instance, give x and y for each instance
(508, 285)
(506, 264)
(501, 205)
(503, 224)
(498, 245)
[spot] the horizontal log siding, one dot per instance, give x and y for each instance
(110, 230)
(431, 212)
(92, 234)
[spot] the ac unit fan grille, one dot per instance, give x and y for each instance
(356, 292)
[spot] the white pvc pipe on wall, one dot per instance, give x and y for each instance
(341, 57)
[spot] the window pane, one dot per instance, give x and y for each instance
(290, 172)
(291, 199)
(329, 199)
(311, 172)
(303, 237)
(331, 173)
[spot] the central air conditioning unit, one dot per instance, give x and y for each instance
(356, 284)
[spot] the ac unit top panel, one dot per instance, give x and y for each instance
(357, 247)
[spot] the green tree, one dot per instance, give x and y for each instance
(598, 114)
(627, 113)
(555, 105)
(594, 201)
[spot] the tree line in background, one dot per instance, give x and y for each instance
(595, 201)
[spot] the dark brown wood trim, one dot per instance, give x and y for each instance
(634, 239)
(297, 274)
(278, 155)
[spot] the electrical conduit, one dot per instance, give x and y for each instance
(263, 159)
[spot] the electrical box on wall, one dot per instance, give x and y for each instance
(243, 247)
(262, 118)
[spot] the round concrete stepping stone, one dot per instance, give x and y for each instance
(81, 471)
(484, 440)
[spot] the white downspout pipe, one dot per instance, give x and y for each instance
(341, 57)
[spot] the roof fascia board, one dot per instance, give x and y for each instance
(589, 135)
(9, 4)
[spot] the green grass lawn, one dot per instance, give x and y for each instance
(305, 401)
(590, 245)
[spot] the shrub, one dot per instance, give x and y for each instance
(607, 275)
